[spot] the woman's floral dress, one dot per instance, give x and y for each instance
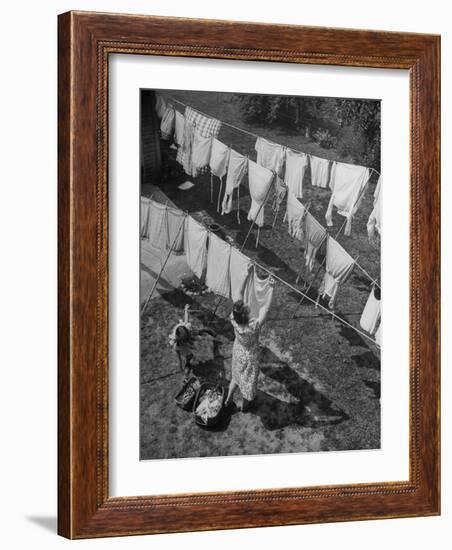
(245, 357)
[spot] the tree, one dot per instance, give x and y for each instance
(351, 126)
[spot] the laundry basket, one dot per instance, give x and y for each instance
(187, 394)
(209, 420)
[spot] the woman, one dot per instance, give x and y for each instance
(182, 339)
(245, 351)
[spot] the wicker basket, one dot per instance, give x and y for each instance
(187, 403)
(212, 421)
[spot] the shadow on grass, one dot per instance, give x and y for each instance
(162, 285)
(312, 409)
(363, 284)
(366, 360)
(375, 387)
(213, 370)
(178, 298)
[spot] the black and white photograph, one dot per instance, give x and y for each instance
(260, 288)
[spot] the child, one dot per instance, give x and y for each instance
(182, 339)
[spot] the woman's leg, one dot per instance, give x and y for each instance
(232, 388)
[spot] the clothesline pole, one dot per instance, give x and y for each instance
(163, 267)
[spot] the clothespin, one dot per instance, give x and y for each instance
(317, 300)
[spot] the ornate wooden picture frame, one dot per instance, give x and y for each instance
(86, 40)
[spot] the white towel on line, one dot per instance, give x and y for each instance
(218, 256)
(348, 183)
(195, 246)
(260, 180)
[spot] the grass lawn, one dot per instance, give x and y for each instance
(319, 387)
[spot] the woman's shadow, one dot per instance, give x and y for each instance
(310, 409)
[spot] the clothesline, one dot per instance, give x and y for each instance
(256, 136)
(295, 289)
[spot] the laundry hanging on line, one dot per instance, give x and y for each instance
(237, 168)
(184, 152)
(144, 217)
(219, 158)
(294, 172)
(195, 245)
(255, 288)
(295, 216)
(347, 183)
(206, 126)
(258, 293)
(218, 164)
(175, 220)
(371, 313)
(160, 105)
(179, 124)
(260, 180)
(270, 155)
(157, 230)
(324, 178)
(320, 171)
(218, 275)
(201, 149)
(314, 235)
(167, 123)
(239, 268)
(339, 265)
(280, 193)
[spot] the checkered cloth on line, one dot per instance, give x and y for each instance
(206, 126)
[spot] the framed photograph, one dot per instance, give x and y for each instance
(249, 259)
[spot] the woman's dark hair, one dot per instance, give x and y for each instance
(183, 336)
(240, 312)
